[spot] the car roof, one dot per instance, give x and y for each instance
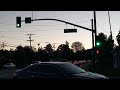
(59, 60)
(54, 62)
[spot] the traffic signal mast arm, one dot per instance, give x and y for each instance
(61, 21)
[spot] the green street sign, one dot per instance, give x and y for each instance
(70, 30)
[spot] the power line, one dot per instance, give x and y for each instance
(83, 21)
(6, 44)
(16, 31)
(31, 25)
(102, 27)
(12, 38)
(34, 30)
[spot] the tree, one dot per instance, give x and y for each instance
(118, 38)
(67, 43)
(110, 43)
(24, 56)
(77, 46)
(48, 48)
(63, 51)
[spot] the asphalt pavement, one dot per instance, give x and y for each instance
(7, 73)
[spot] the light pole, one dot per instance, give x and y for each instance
(95, 32)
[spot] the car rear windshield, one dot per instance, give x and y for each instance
(71, 68)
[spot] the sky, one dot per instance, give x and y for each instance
(53, 31)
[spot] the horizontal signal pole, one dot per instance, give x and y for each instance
(63, 22)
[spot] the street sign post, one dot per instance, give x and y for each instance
(70, 30)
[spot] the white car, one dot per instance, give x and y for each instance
(9, 65)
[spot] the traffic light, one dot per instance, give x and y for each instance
(97, 52)
(98, 43)
(18, 22)
(28, 20)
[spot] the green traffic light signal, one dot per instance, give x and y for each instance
(18, 22)
(18, 25)
(98, 43)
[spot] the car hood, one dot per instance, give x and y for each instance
(89, 75)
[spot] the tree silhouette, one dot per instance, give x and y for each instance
(77, 46)
(118, 38)
(67, 43)
(65, 52)
(48, 48)
(23, 56)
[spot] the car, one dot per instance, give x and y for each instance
(9, 65)
(37, 62)
(55, 70)
(58, 59)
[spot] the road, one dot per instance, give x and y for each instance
(7, 73)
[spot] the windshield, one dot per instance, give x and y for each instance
(71, 68)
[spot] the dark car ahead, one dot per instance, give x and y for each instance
(55, 70)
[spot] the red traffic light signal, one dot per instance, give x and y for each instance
(97, 51)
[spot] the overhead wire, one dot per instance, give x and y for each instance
(102, 28)
(12, 38)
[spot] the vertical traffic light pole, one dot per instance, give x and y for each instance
(95, 25)
(95, 32)
(92, 34)
(93, 55)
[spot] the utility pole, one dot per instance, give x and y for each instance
(95, 25)
(110, 24)
(30, 38)
(2, 45)
(95, 32)
(93, 45)
(92, 34)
